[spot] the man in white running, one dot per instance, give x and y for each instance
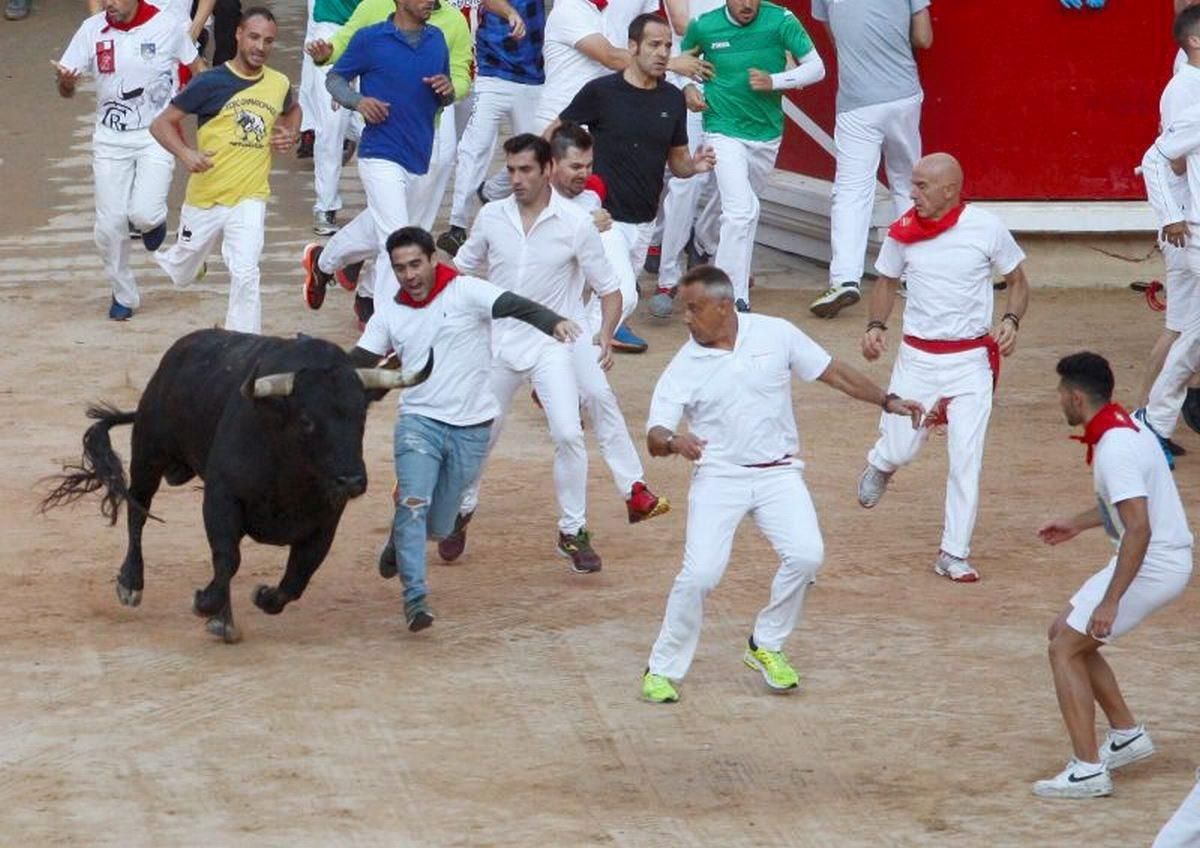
(878, 112)
(1182, 830)
(1140, 510)
(732, 382)
(947, 251)
(541, 246)
(134, 51)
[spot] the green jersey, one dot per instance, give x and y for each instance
(734, 108)
(333, 11)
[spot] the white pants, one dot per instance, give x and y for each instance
(495, 100)
(1183, 357)
(742, 171)
(240, 229)
(625, 247)
(553, 378)
(331, 124)
(860, 136)
(600, 404)
(679, 207)
(718, 501)
(1183, 282)
(387, 187)
(426, 198)
(1161, 579)
(132, 175)
(308, 70)
(1182, 830)
(966, 380)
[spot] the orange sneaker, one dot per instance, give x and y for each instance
(643, 504)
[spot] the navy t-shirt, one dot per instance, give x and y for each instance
(634, 129)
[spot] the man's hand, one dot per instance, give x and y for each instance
(1058, 530)
(606, 358)
(1176, 233)
(567, 331)
(687, 445)
(902, 406)
(516, 25)
(704, 159)
(66, 78)
(320, 50)
(1179, 166)
(691, 66)
(373, 111)
(283, 138)
(197, 161)
(1101, 623)
(760, 81)
(1005, 334)
(694, 98)
(441, 85)
(602, 219)
(874, 343)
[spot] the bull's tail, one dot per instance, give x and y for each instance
(100, 467)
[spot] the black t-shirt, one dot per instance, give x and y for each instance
(634, 129)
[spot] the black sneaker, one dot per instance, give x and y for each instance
(451, 240)
(741, 305)
(418, 614)
(1191, 409)
(153, 238)
(387, 560)
(577, 547)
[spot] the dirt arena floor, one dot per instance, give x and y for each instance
(926, 708)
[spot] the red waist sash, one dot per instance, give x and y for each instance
(960, 345)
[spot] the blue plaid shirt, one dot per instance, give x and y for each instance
(497, 54)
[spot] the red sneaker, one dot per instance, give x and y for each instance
(347, 277)
(577, 547)
(643, 504)
(315, 280)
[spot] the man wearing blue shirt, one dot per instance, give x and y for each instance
(403, 66)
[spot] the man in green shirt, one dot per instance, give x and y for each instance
(748, 43)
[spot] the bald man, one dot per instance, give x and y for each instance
(948, 360)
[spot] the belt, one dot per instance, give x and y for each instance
(783, 460)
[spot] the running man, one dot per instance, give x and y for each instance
(134, 51)
(949, 361)
(1140, 510)
(244, 111)
(732, 382)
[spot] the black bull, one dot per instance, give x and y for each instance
(274, 428)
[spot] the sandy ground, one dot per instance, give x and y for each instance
(926, 707)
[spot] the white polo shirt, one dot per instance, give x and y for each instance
(457, 327)
(949, 277)
(740, 400)
(1130, 464)
(136, 71)
(550, 265)
(568, 69)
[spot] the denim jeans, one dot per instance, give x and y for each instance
(435, 462)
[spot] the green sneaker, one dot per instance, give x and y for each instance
(657, 689)
(774, 665)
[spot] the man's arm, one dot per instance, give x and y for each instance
(1157, 173)
(1059, 530)
(920, 31)
(679, 14)
(511, 305)
(599, 274)
(286, 131)
(683, 163)
(1135, 518)
(471, 258)
(810, 70)
(204, 10)
(462, 51)
(1017, 287)
(879, 307)
(166, 131)
(516, 24)
(599, 49)
(852, 382)
(367, 12)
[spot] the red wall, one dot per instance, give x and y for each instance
(1037, 101)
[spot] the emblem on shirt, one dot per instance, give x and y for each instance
(717, 45)
(149, 49)
(253, 127)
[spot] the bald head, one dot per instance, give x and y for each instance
(937, 181)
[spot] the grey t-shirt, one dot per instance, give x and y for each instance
(874, 51)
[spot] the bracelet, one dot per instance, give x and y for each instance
(888, 398)
(1008, 316)
(876, 325)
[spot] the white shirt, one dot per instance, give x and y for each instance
(949, 277)
(619, 14)
(740, 400)
(549, 265)
(457, 327)
(568, 69)
(136, 71)
(1130, 464)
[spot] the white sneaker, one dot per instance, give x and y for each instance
(872, 483)
(836, 298)
(956, 568)
(1074, 782)
(325, 223)
(1118, 751)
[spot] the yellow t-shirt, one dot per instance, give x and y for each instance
(236, 115)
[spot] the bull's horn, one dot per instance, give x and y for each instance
(380, 378)
(274, 385)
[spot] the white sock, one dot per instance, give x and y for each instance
(1089, 767)
(1126, 732)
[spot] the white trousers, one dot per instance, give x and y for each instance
(892, 129)
(308, 70)
(966, 380)
(680, 206)
(1182, 830)
(330, 122)
(625, 247)
(240, 229)
(425, 199)
(553, 378)
(495, 100)
(131, 177)
(1183, 282)
(742, 171)
(603, 411)
(387, 187)
(1183, 357)
(718, 501)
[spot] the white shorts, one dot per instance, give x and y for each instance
(1160, 580)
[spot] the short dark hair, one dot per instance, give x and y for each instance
(568, 135)
(256, 12)
(1187, 23)
(715, 281)
(637, 27)
(1089, 372)
(529, 141)
(407, 237)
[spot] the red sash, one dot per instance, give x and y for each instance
(911, 227)
(144, 13)
(938, 414)
(1110, 417)
(442, 276)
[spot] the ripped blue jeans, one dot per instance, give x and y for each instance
(435, 462)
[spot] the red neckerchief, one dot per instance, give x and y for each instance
(911, 227)
(599, 4)
(596, 183)
(442, 275)
(144, 13)
(1110, 417)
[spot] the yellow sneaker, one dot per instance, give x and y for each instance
(657, 689)
(774, 665)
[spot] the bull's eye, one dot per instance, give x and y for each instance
(307, 425)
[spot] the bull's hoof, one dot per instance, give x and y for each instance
(268, 600)
(226, 631)
(128, 597)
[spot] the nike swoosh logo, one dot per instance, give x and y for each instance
(1126, 743)
(1073, 779)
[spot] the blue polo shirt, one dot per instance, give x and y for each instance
(498, 54)
(388, 68)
